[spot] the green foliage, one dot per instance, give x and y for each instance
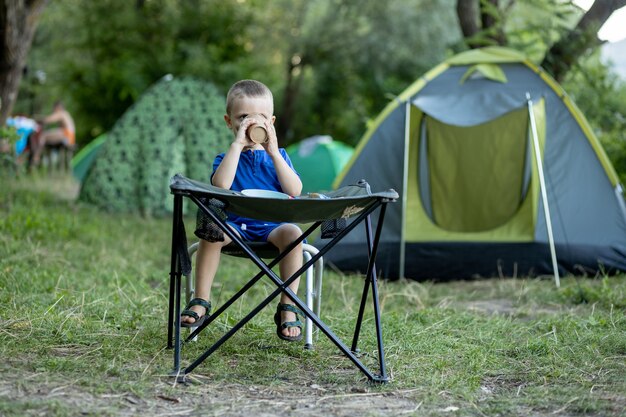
(534, 25)
(346, 58)
(9, 133)
(530, 26)
(107, 53)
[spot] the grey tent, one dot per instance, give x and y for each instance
(460, 145)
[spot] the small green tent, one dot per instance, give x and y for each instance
(460, 145)
(318, 160)
(174, 127)
(82, 161)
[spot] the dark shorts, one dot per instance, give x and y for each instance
(254, 232)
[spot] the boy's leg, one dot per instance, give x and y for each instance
(207, 262)
(281, 237)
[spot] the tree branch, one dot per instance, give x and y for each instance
(580, 40)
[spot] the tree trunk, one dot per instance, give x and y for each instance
(481, 22)
(18, 21)
(290, 98)
(580, 40)
(467, 12)
(298, 53)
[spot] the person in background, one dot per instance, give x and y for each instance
(63, 133)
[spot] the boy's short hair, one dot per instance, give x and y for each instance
(246, 88)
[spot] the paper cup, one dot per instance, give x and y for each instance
(256, 132)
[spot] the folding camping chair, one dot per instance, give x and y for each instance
(353, 201)
(314, 276)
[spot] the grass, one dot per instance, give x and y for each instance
(83, 302)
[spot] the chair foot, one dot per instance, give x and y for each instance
(379, 379)
(179, 375)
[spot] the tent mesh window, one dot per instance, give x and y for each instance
(474, 179)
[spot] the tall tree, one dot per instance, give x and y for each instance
(18, 21)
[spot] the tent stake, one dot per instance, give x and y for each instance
(544, 194)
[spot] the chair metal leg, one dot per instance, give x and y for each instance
(175, 285)
(308, 344)
(371, 280)
(190, 283)
(189, 279)
(317, 288)
(313, 289)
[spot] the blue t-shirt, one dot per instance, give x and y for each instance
(255, 170)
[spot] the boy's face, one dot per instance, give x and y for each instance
(246, 106)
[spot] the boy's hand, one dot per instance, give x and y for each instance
(241, 138)
(271, 146)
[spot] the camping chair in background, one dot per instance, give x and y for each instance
(314, 276)
(58, 157)
(355, 201)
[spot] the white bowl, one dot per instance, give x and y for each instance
(265, 194)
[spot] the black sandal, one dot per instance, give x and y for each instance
(190, 313)
(280, 326)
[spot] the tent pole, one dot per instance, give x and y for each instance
(619, 195)
(544, 194)
(405, 177)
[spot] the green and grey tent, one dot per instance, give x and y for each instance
(82, 161)
(459, 145)
(176, 126)
(318, 160)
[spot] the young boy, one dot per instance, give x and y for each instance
(248, 165)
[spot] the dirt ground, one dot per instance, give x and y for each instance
(208, 399)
